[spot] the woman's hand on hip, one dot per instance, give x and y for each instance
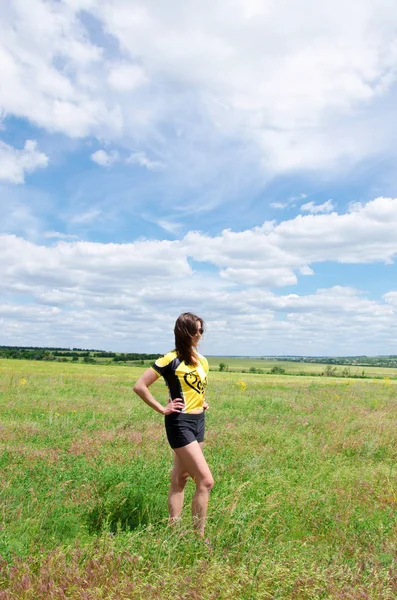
(174, 406)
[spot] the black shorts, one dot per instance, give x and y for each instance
(184, 428)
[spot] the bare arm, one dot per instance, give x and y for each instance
(142, 389)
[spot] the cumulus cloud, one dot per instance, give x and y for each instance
(271, 255)
(14, 163)
(69, 264)
(285, 82)
(204, 91)
(314, 208)
(268, 256)
(105, 159)
(109, 290)
(116, 313)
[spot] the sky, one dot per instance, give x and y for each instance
(236, 159)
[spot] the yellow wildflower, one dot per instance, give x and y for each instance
(241, 385)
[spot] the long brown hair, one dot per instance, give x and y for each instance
(185, 329)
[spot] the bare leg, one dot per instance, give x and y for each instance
(193, 461)
(179, 477)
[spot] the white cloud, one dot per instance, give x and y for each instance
(220, 97)
(299, 197)
(271, 255)
(169, 226)
(300, 87)
(103, 306)
(126, 77)
(280, 205)
(314, 208)
(27, 312)
(105, 159)
(290, 203)
(70, 264)
(140, 158)
(45, 44)
(14, 163)
(107, 291)
(391, 298)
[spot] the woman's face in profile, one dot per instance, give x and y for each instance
(197, 337)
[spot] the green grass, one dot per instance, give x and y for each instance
(240, 364)
(304, 503)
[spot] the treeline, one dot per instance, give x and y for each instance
(71, 355)
(28, 353)
(133, 356)
(350, 361)
(49, 348)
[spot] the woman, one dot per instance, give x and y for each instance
(185, 372)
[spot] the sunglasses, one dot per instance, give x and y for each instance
(200, 331)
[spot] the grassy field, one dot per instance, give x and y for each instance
(304, 503)
(241, 364)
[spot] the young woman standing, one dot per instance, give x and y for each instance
(185, 372)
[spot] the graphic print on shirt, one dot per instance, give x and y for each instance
(194, 381)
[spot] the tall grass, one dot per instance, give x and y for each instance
(304, 504)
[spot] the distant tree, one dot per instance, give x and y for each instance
(330, 371)
(276, 370)
(223, 366)
(88, 359)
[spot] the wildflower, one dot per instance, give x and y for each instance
(23, 381)
(241, 385)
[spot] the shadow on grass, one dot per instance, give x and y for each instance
(123, 514)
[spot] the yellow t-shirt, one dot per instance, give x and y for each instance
(184, 381)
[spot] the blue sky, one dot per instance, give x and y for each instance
(234, 161)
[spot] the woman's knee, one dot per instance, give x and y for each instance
(206, 483)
